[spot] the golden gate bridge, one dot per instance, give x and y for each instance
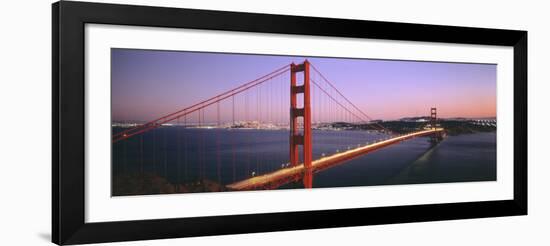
(301, 103)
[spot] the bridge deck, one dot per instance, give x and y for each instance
(286, 175)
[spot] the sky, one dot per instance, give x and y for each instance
(147, 84)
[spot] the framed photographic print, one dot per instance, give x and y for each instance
(175, 122)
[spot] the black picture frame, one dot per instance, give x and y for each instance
(68, 106)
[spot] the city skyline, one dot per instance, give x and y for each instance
(147, 84)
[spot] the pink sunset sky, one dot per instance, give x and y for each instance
(147, 84)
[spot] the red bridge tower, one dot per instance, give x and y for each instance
(303, 137)
(437, 137)
(433, 118)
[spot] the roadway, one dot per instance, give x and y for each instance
(286, 175)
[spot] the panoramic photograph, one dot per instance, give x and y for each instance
(193, 122)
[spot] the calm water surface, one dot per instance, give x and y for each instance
(182, 155)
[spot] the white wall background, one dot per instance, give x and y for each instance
(25, 98)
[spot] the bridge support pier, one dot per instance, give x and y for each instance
(303, 137)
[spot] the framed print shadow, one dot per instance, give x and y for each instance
(175, 122)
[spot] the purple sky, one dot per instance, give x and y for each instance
(147, 84)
